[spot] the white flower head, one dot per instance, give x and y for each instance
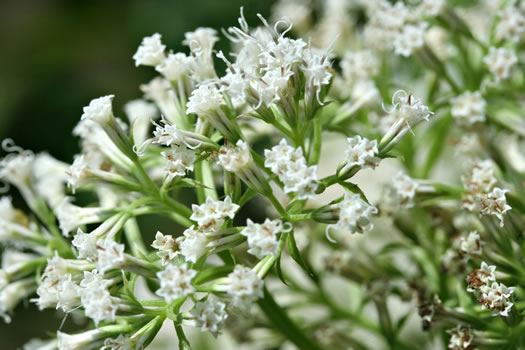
(411, 37)
(469, 108)
(179, 160)
(211, 214)
(210, 314)
(471, 245)
(175, 67)
(192, 244)
(496, 297)
(262, 238)
(175, 282)
(166, 246)
(481, 277)
(500, 61)
(110, 255)
(354, 215)
(361, 152)
(244, 286)
(150, 51)
(494, 203)
(235, 157)
(99, 110)
(461, 338)
(121, 342)
(405, 188)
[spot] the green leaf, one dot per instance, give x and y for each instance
(296, 255)
(437, 135)
(283, 240)
(212, 273)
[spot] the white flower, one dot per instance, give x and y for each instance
(110, 255)
(461, 338)
(175, 282)
(354, 214)
(80, 341)
(68, 294)
(166, 246)
(13, 293)
(361, 152)
(179, 160)
(496, 297)
(202, 39)
(211, 214)
(16, 169)
(38, 344)
(468, 108)
(175, 67)
(357, 65)
(290, 165)
(150, 51)
(86, 244)
(337, 261)
(99, 110)
(511, 25)
(234, 158)
(140, 113)
(481, 277)
(431, 7)
(49, 177)
(120, 343)
(481, 178)
(192, 244)
(500, 61)
(244, 286)
(405, 188)
(471, 245)
(7, 214)
(494, 203)
(96, 299)
(262, 238)
(410, 38)
(71, 216)
(209, 314)
(78, 173)
(205, 99)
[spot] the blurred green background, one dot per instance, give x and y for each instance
(58, 55)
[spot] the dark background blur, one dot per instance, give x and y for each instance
(55, 56)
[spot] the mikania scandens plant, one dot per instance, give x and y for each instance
(445, 240)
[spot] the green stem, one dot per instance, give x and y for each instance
(284, 324)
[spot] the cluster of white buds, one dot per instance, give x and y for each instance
(237, 159)
(262, 238)
(209, 315)
(166, 246)
(482, 196)
(392, 26)
(354, 215)
(179, 160)
(461, 338)
(243, 286)
(491, 294)
(212, 214)
(511, 24)
(175, 281)
(500, 62)
(361, 152)
(468, 108)
(291, 167)
(466, 247)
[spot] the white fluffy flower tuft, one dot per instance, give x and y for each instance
(262, 238)
(244, 286)
(500, 61)
(150, 51)
(235, 157)
(354, 214)
(99, 110)
(179, 160)
(211, 215)
(209, 315)
(411, 37)
(469, 108)
(361, 152)
(175, 282)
